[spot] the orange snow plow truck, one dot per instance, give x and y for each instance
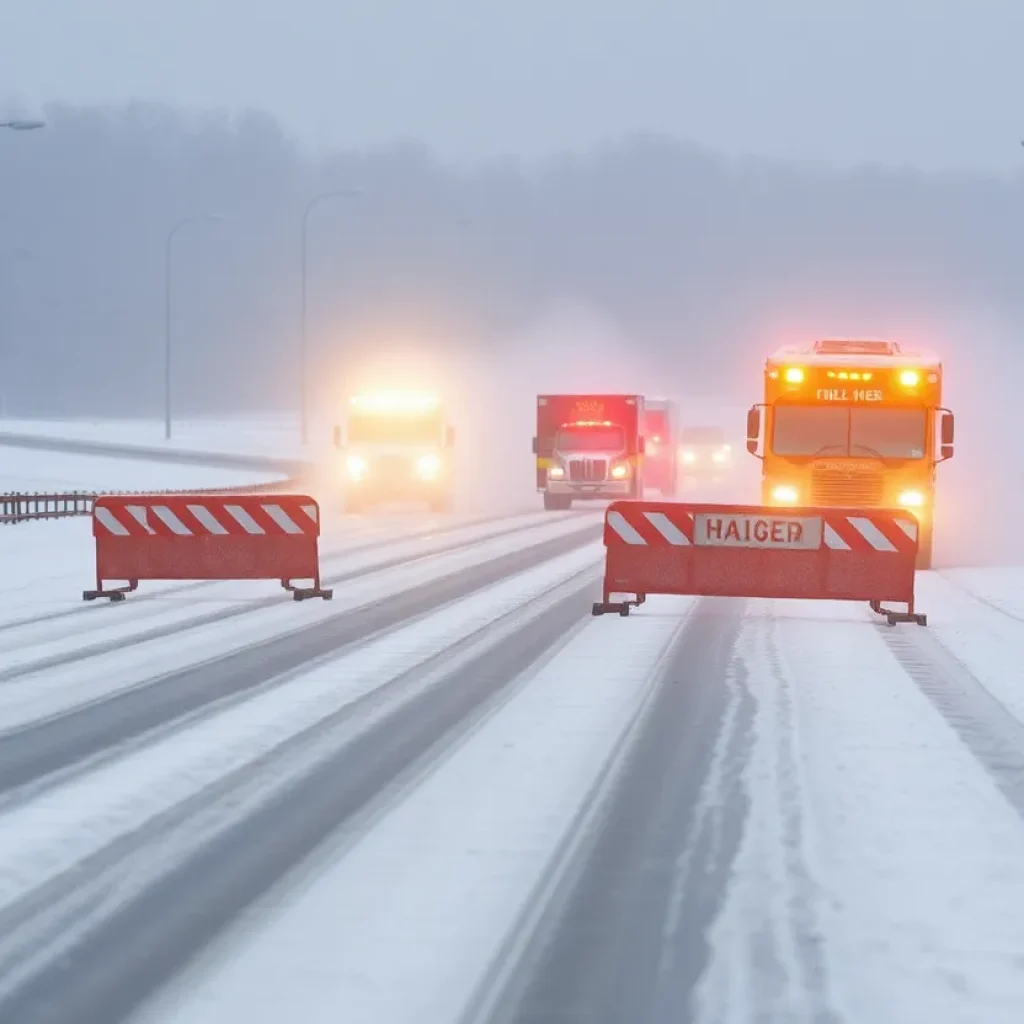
(853, 424)
(589, 447)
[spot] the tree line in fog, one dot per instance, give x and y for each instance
(694, 259)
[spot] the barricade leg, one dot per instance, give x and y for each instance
(892, 617)
(113, 593)
(607, 606)
(305, 593)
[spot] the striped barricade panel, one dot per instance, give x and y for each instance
(832, 554)
(206, 537)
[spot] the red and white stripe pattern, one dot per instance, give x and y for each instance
(192, 516)
(674, 525)
(870, 532)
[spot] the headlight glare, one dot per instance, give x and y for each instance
(428, 466)
(784, 494)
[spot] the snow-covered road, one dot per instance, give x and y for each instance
(451, 796)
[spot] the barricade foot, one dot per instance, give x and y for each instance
(607, 607)
(892, 617)
(305, 593)
(114, 594)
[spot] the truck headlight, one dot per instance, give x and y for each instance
(620, 472)
(556, 472)
(784, 494)
(911, 499)
(356, 466)
(718, 457)
(428, 466)
(689, 456)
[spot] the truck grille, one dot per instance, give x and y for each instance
(388, 467)
(588, 470)
(846, 487)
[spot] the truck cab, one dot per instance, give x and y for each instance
(396, 447)
(588, 447)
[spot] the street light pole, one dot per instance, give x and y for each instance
(346, 193)
(167, 310)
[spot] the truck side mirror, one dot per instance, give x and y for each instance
(535, 446)
(449, 437)
(337, 437)
(642, 445)
(946, 433)
(753, 429)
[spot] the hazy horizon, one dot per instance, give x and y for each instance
(880, 82)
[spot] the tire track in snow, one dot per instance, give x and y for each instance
(624, 938)
(235, 609)
(980, 598)
(770, 961)
(57, 744)
(134, 920)
(986, 727)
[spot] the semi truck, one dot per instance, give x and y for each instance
(853, 423)
(661, 462)
(396, 447)
(589, 447)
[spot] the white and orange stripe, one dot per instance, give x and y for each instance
(192, 516)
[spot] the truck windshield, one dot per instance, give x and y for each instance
(393, 430)
(590, 439)
(887, 433)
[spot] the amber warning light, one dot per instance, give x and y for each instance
(906, 381)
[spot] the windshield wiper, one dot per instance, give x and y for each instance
(869, 450)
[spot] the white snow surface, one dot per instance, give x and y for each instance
(31, 471)
(47, 836)
(400, 926)
(978, 615)
(86, 673)
(881, 875)
(46, 565)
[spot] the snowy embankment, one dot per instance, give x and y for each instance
(31, 471)
(272, 436)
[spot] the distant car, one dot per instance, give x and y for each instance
(704, 453)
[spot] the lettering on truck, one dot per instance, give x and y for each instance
(789, 533)
(849, 395)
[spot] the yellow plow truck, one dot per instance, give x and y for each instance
(853, 423)
(397, 447)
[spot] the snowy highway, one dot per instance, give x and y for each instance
(451, 796)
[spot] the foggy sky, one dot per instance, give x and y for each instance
(936, 85)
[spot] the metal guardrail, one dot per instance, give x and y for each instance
(18, 507)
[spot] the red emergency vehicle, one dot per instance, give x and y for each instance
(661, 465)
(589, 447)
